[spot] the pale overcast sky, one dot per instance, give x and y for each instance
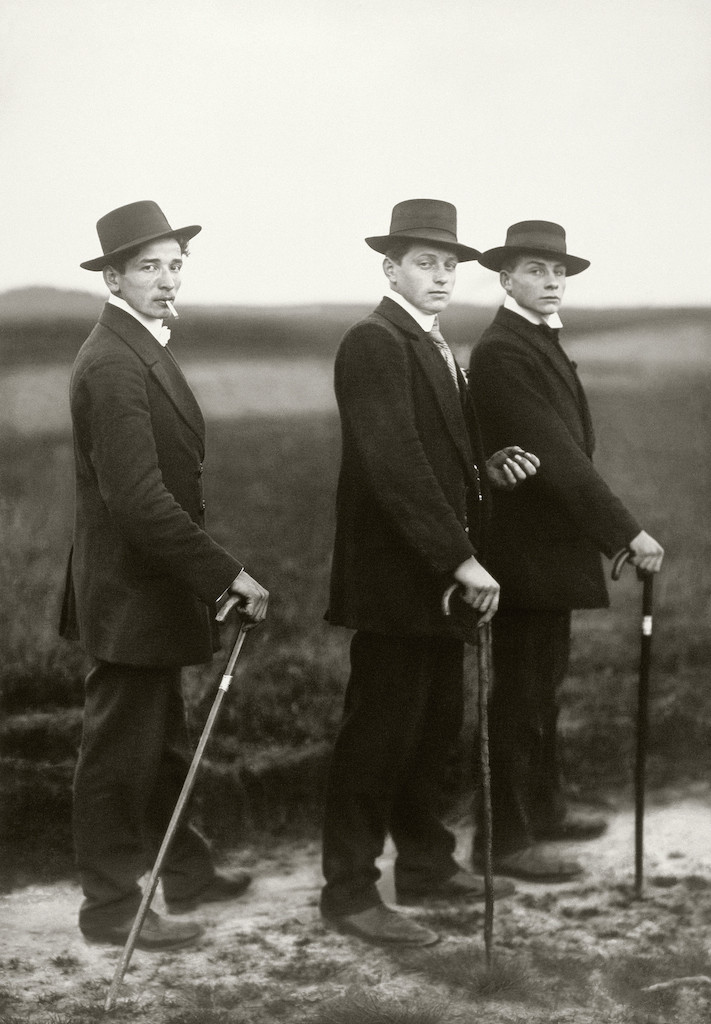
(290, 129)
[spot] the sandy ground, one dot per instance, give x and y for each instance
(271, 946)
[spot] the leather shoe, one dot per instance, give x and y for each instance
(384, 927)
(535, 864)
(573, 827)
(462, 885)
(218, 890)
(156, 933)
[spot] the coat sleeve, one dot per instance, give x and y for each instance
(513, 403)
(374, 393)
(113, 414)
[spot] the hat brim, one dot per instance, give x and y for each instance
(493, 259)
(381, 244)
(102, 261)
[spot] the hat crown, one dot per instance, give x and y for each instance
(424, 216)
(537, 235)
(126, 224)
(431, 221)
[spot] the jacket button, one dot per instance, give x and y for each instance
(200, 470)
(203, 506)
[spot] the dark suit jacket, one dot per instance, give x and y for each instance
(408, 486)
(548, 533)
(143, 575)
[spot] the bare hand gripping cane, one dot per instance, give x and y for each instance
(152, 883)
(647, 579)
(483, 643)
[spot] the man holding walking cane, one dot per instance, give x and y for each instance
(142, 583)
(545, 546)
(411, 512)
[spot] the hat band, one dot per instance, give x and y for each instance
(439, 233)
(535, 244)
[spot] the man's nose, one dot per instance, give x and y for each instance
(441, 273)
(167, 278)
(552, 281)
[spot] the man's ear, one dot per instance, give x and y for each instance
(389, 269)
(111, 279)
(505, 280)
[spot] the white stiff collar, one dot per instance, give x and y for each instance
(156, 327)
(424, 320)
(553, 320)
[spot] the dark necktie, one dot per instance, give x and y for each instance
(445, 351)
(552, 333)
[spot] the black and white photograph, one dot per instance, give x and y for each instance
(355, 551)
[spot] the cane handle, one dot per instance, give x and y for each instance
(626, 556)
(618, 565)
(447, 597)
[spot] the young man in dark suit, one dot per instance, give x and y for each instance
(142, 583)
(411, 511)
(545, 544)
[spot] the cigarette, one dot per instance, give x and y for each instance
(171, 308)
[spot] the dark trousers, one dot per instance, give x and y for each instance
(403, 712)
(530, 659)
(132, 763)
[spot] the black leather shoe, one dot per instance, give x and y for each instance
(383, 926)
(535, 864)
(462, 885)
(220, 889)
(156, 933)
(573, 827)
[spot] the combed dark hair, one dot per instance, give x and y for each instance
(398, 248)
(511, 262)
(119, 261)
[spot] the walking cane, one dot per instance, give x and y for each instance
(152, 883)
(647, 579)
(483, 642)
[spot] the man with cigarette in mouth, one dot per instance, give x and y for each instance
(142, 583)
(545, 546)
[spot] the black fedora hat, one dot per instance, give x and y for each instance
(133, 225)
(424, 220)
(537, 237)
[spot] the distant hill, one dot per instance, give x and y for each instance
(42, 303)
(39, 325)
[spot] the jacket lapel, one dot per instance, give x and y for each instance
(438, 377)
(555, 358)
(163, 366)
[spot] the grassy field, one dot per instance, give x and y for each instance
(270, 486)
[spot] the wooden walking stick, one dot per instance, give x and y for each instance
(152, 883)
(645, 662)
(483, 643)
(484, 664)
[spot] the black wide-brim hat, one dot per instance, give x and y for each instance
(537, 238)
(424, 220)
(133, 225)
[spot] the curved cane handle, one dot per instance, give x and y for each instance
(447, 597)
(618, 564)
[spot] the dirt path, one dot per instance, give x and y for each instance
(268, 957)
